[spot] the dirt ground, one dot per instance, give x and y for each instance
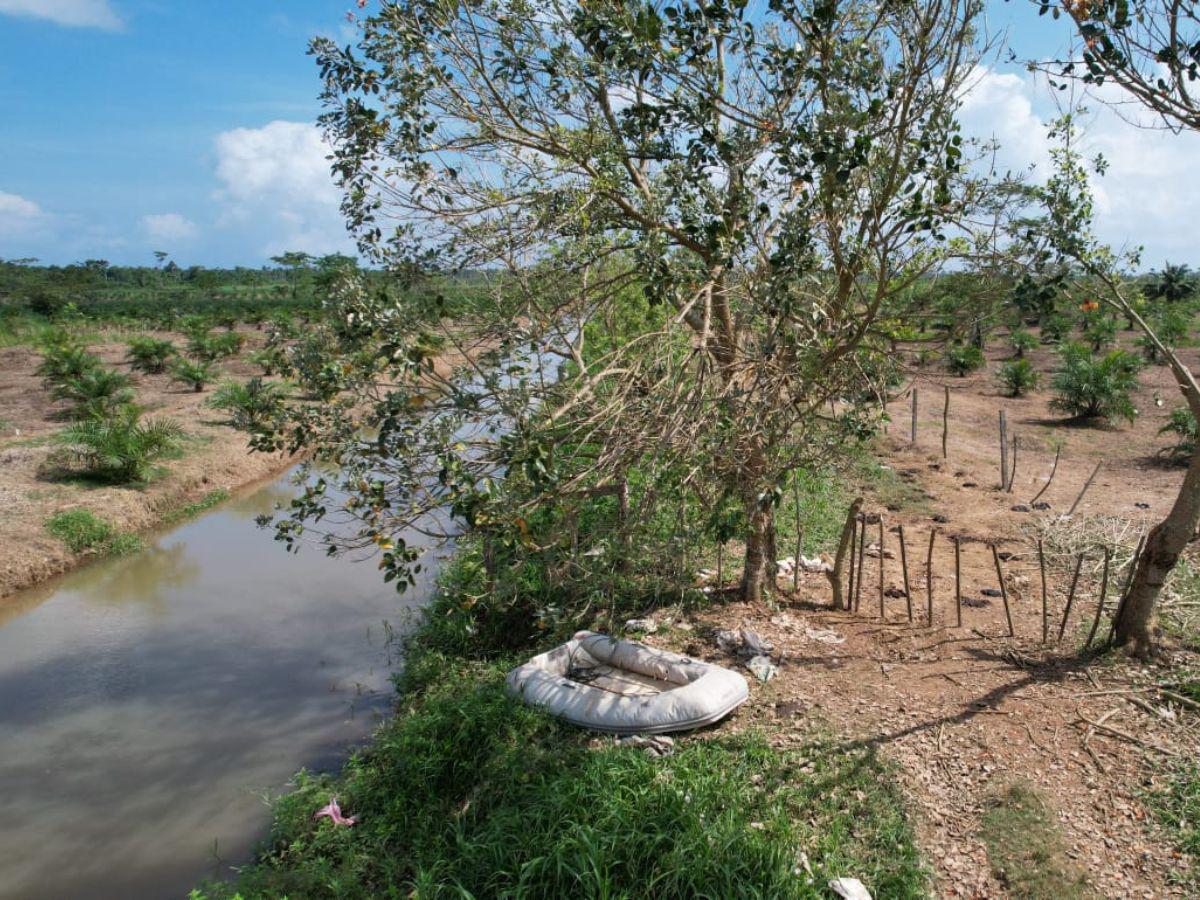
(964, 711)
(215, 457)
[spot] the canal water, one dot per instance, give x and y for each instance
(150, 704)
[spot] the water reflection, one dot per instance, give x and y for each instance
(147, 703)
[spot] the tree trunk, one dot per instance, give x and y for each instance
(758, 572)
(1164, 544)
(835, 576)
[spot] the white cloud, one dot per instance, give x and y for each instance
(1147, 197)
(168, 227)
(277, 179)
(76, 13)
(18, 216)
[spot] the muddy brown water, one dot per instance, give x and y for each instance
(149, 704)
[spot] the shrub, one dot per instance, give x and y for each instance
(196, 374)
(95, 393)
(1182, 424)
(150, 355)
(1090, 387)
(79, 529)
(1100, 332)
(250, 405)
(1022, 342)
(61, 362)
(1018, 377)
(45, 301)
(120, 448)
(964, 359)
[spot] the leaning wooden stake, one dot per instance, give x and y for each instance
(1012, 476)
(945, 421)
(1003, 450)
(1087, 484)
(847, 541)
(957, 582)
(1003, 591)
(904, 568)
(929, 579)
(1045, 603)
(799, 536)
(882, 611)
(1133, 564)
(1053, 469)
(1062, 629)
(914, 416)
(862, 552)
(1103, 594)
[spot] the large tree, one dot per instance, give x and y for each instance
(712, 214)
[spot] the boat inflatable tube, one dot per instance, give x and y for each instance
(606, 684)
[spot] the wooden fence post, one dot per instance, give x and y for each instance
(945, 421)
(882, 610)
(929, 579)
(1045, 603)
(914, 415)
(957, 582)
(1062, 629)
(904, 568)
(1003, 450)
(1003, 591)
(1103, 595)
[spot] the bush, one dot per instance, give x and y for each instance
(196, 374)
(79, 529)
(1182, 424)
(1022, 342)
(1100, 331)
(120, 448)
(95, 393)
(962, 360)
(1018, 377)
(61, 362)
(250, 405)
(1091, 387)
(150, 355)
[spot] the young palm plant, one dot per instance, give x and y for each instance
(250, 405)
(150, 355)
(195, 373)
(120, 448)
(1091, 387)
(95, 393)
(63, 361)
(1018, 377)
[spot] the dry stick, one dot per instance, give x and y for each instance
(1053, 469)
(862, 552)
(945, 421)
(1103, 594)
(929, 579)
(882, 612)
(1133, 564)
(1003, 450)
(1012, 478)
(799, 536)
(1062, 629)
(1045, 604)
(958, 581)
(904, 567)
(1003, 591)
(914, 415)
(1087, 484)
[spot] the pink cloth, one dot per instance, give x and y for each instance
(334, 812)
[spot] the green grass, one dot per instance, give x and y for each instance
(1026, 850)
(1177, 807)
(191, 510)
(82, 530)
(469, 793)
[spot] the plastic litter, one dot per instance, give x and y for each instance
(849, 888)
(334, 813)
(762, 668)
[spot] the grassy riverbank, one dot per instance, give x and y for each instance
(468, 793)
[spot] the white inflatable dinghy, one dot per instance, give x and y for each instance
(606, 684)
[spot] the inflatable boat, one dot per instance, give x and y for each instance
(600, 682)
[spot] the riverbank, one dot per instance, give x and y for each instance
(214, 460)
(466, 792)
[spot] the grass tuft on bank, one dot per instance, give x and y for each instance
(1025, 847)
(82, 531)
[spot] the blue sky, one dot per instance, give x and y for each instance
(131, 126)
